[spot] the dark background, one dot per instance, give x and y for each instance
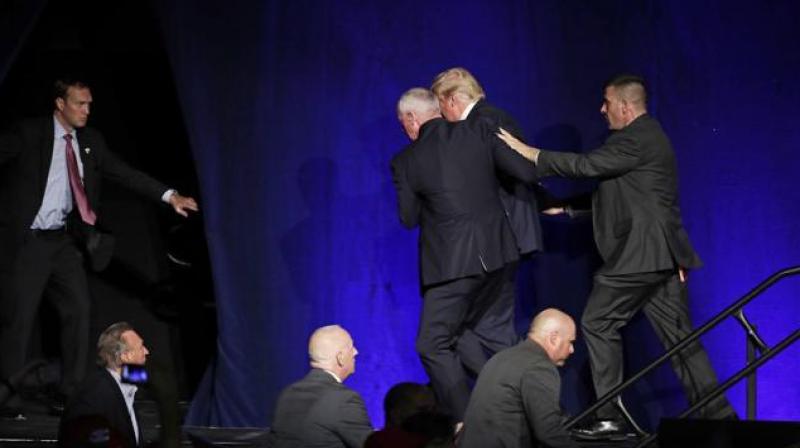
(280, 117)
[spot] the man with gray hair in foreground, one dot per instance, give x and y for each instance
(104, 393)
(320, 411)
(515, 402)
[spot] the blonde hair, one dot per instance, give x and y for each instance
(457, 81)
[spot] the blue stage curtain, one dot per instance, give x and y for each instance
(290, 108)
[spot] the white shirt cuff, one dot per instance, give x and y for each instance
(165, 197)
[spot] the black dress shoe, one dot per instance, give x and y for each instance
(603, 430)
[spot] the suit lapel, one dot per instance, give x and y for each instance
(129, 432)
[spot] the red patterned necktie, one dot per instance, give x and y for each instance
(87, 214)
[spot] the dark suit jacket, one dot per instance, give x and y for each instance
(318, 411)
(26, 151)
(99, 394)
(519, 199)
(446, 184)
(637, 220)
(515, 402)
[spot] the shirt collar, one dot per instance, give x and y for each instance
(468, 109)
(128, 390)
(60, 132)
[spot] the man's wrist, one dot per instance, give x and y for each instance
(168, 195)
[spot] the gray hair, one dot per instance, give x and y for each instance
(418, 99)
(111, 346)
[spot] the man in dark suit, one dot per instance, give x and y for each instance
(461, 97)
(515, 402)
(639, 233)
(50, 193)
(320, 411)
(104, 393)
(446, 183)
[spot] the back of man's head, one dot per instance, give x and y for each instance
(111, 345)
(554, 331)
(631, 89)
(416, 107)
(331, 348)
(419, 101)
(406, 399)
(457, 82)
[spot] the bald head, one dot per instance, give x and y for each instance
(331, 348)
(554, 331)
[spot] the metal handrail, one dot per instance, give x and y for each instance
(734, 308)
(747, 370)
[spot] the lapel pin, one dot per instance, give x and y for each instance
(87, 150)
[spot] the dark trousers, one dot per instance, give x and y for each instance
(664, 299)
(464, 322)
(48, 265)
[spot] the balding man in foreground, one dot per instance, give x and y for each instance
(515, 402)
(320, 411)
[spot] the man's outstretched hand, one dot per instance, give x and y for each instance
(182, 204)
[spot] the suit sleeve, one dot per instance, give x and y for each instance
(619, 155)
(353, 423)
(506, 160)
(10, 145)
(540, 395)
(115, 170)
(408, 204)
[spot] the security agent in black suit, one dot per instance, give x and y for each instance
(320, 411)
(42, 230)
(640, 236)
(103, 393)
(515, 402)
(446, 183)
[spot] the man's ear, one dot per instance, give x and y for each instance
(552, 338)
(60, 104)
(340, 358)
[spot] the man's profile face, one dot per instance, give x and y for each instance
(136, 352)
(74, 107)
(409, 125)
(349, 357)
(563, 346)
(613, 109)
(450, 108)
